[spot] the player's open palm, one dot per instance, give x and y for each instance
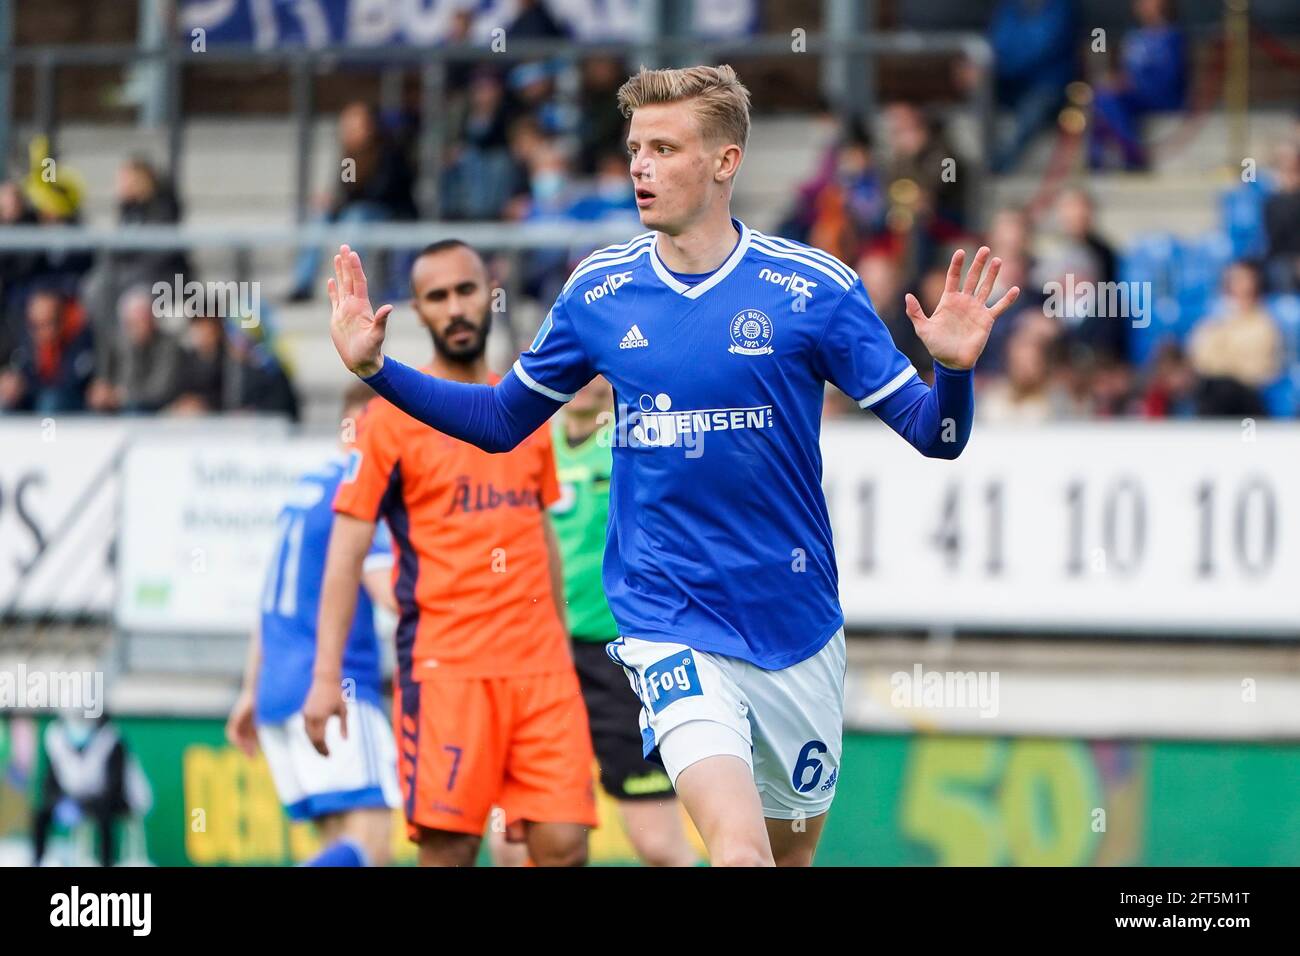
(356, 328)
(956, 333)
(324, 700)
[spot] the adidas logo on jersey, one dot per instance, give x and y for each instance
(634, 339)
(797, 284)
(608, 287)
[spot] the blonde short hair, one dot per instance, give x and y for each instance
(720, 99)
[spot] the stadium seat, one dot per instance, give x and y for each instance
(1243, 218)
(1197, 271)
(1282, 398)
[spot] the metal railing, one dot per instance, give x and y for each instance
(432, 64)
(506, 237)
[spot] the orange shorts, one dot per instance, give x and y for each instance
(466, 745)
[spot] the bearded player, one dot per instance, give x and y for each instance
(720, 569)
(487, 707)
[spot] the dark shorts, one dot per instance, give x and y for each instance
(614, 712)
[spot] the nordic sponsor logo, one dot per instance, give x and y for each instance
(794, 283)
(608, 287)
(671, 679)
(634, 339)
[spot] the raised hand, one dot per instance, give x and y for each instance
(357, 330)
(957, 332)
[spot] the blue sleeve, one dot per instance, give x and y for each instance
(857, 354)
(556, 364)
(496, 418)
(935, 421)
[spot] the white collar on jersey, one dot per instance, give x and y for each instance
(697, 290)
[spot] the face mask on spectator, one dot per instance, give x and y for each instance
(613, 190)
(546, 186)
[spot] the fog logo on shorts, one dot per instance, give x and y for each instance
(671, 679)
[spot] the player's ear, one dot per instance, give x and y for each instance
(727, 163)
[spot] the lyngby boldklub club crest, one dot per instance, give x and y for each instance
(751, 333)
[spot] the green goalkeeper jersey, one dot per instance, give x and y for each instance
(580, 518)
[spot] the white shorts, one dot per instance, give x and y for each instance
(361, 770)
(787, 724)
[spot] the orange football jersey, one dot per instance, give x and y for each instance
(471, 572)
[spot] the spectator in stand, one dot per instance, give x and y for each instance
(203, 368)
(1015, 271)
(600, 129)
(798, 221)
(1282, 221)
(525, 139)
(480, 172)
(610, 196)
(1011, 235)
(848, 207)
(50, 371)
(1171, 387)
(231, 370)
(920, 153)
(144, 362)
(551, 195)
(551, 186)
(1010, 238)
(1076, 221)
(534, 21)
(262, 383)
(1174, 390)
(884, 280)
(16, 269)
(460, 30)
(1112, 389)
(1034, 60)
(1028, 393)
(1096, 323)
(1241, 342)
(54, 191)
(1152, 77)
(532, 88)
(144, 197)
(376, 185)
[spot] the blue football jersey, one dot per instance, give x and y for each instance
(291, 601)
(718, 532)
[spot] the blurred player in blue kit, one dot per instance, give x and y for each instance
(351, 793)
